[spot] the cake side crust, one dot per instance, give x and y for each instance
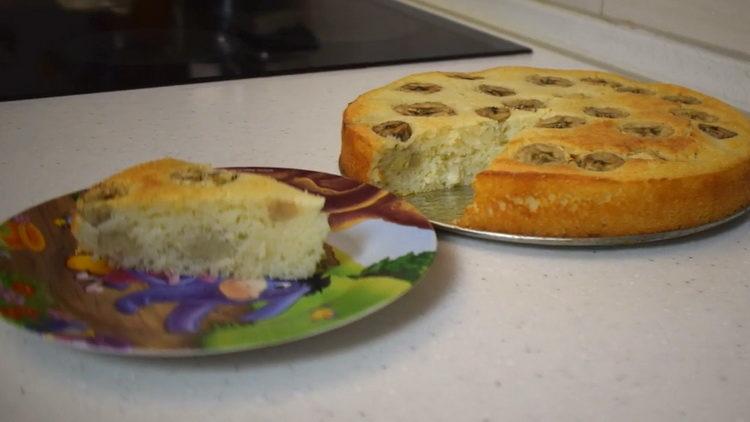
(572, 206)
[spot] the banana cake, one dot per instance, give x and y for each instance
(552, 152)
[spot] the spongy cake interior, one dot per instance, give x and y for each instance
(175, 216)
(444, 157)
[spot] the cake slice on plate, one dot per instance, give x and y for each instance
(174, 216)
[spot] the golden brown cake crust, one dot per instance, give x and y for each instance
(178, 183)
(358, 152)
(588, 153)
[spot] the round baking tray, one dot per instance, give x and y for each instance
(444, 206)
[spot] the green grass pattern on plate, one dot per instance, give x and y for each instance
(354, 292)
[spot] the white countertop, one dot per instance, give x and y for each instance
(493, 332)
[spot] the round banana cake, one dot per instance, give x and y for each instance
(550, 152)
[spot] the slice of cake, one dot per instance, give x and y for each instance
(174, 216)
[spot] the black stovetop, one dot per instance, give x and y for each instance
(59, 47)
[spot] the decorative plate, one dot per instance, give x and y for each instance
(443, 207)
(378, 248)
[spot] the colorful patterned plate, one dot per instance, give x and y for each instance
(378, 248)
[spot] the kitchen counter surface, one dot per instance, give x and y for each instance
(493, 332)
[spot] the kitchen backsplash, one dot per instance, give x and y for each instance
(722, 24)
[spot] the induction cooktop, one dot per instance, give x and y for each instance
(60, 47)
